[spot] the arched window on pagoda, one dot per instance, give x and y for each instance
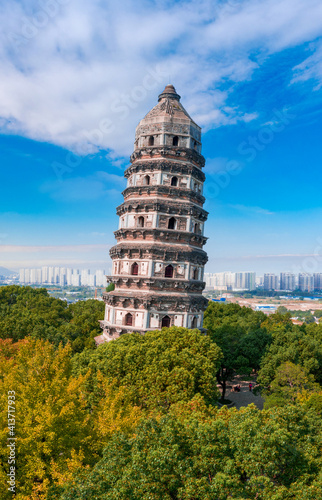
(195, 274)
(175, 140)
(146, 180)
(135, 269)
(165, 321)
(151, 140)
(196, 228)
(168, 271)
(141, 221)
(174, 181)
(172, 223)
(128, 319)
(194, 322)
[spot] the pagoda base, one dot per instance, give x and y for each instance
(112, 332)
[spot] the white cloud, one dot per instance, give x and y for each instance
(86, 72)
(311, 68)
(251, 210)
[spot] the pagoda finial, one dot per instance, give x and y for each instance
(170, 93)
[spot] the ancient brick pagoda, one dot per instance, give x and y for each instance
(158, 261)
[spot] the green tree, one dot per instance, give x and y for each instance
(237, 331)
(282, 310)
(25, 311)
(195, 454)
(158, 368)
(110, 287)
(298, 345)
(83, 325)
(289, 383)
(309, 318)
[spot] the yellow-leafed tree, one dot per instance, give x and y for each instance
(53, 429)
(114, 412)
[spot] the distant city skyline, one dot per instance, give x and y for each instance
(62, 276)
(227, 280)
(300, 267)
(247, 280)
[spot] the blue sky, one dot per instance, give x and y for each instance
(77, 77)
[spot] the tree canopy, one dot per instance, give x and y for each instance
(57, 430)
(137, 418)
(26, 311)
(158, 368)
(238, 331)
(196, 454)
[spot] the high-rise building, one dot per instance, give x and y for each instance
(209, 280)
(44, 274)
(245, 280)
(32, 276)
(306, 282)
(287, 282)
(158, 260)
(27, 275)
(91, 280)
(224, 281)
(317, 281)
(100, 277)
(56, 275)
(76, 278)
(62, 276)
(51, 275)
(22, 276)
(85, 273)
(69, 274)
(259, 281)
(35, 276)
(270, 281)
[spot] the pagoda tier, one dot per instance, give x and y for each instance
(163, 164)
(156, 252)
(150, 309)
(171, 153)
(159, 205)
(158, 261)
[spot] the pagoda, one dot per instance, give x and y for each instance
(158, 260)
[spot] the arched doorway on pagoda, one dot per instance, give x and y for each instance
(165, 321)
(141, 221)
(172, 223)
(174, 181)
(168, 273)
(128, 319)
(194, 322)
(135, 269)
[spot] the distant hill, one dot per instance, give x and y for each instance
(6, 272)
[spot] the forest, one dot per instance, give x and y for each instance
(138, 417)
